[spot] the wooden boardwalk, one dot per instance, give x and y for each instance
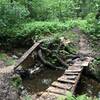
(67, 82)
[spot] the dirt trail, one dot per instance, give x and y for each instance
(84, 46)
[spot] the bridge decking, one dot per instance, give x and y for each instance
(67, 82)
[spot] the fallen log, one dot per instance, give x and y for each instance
(58, 58)
(47, 63)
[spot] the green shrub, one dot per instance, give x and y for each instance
(16, 81)
(30, 31)
(11, 14)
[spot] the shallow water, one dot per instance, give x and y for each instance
(41, 81)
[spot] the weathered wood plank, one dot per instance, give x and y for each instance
(73, 71)
(27, 53)
(56, 90)
(49, 96)
(62, 85)
(71, 77)
(64, 79)
(76, 82)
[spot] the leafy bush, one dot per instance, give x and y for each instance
(86, 25)
(11, 14)
(16, 81)
(31, 30)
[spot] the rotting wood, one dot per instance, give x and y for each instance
(27, 53)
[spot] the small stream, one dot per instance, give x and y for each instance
(41, 81)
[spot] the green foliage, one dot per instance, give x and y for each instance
(16, 81)
(39, 28)
(70, 96)
(32, 30)
(11, 14)
(18, 18)
(51, 10)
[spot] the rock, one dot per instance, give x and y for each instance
(14, 57)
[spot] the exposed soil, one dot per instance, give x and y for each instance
(7, 91)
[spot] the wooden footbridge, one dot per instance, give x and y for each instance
(67, 82)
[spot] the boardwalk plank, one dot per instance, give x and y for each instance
(64, 79)
(56, 90)
(49, 96)
(62, 85)
(73, 71)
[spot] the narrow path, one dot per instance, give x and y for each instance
(68, 81)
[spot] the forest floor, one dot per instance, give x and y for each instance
(7, 92)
